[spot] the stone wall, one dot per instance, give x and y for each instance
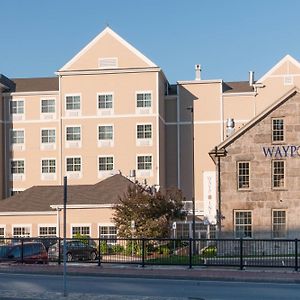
(261, 199)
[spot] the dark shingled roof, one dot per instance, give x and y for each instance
(237, 87)
(39, 198)
(35, 84)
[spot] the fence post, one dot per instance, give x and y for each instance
(190, 253)
(296, 254)
(241, 254)
(143, 252)
(22, 250)
(99, 252)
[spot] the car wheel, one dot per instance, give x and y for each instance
(93, 255)
(69, 257)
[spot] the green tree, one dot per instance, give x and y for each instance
(151, 213)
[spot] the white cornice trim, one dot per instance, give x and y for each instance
(27, 213)
(241, 94)
(109, 31)
(77, 206)
(107, 71)
(42, 93)
(199, 81)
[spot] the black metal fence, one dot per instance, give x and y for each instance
(238, 253)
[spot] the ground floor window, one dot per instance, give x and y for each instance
(47, 231)
(279, 223)
(243, 224)
(108, 232)
(183, 230)
(81, 230)
(2, 233)
(21, 231)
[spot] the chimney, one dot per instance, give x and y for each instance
(197, 72)
(251, 78)
(230, 127)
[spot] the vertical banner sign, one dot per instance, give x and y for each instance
(209, 196)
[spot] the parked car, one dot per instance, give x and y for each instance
(76, 250)
(28, 252)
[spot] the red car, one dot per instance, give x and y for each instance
(28, 252)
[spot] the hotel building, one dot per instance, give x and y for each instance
(111, 110)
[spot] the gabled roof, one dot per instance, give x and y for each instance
(35, 84)
(287, 58)
(40, 198)
(109, 31)
(220, 148)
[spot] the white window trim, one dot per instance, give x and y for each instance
(4, 227)
(144, 173)
(143, 110)
(73, 174)
(17, 147)
(234, 220)
(105, 111)
(17, 116)
(80, 225)
(243, 188)
(48, 176)
(73, 113)
(21, 225)
(106, 173)
(19, 176)
(105, 225)
(144, 141)
(106, 143)
(73, 144)
(48, 116)
(48, 146)
(46, 225)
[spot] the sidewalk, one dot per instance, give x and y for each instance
(167, 272)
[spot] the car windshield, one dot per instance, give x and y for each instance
(4, 250)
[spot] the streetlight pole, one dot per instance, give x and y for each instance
(191, 109)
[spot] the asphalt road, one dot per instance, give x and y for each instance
(16, 286)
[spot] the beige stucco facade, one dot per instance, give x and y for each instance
(109, 85)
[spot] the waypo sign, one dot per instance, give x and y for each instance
(282, 151)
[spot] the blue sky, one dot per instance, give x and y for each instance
(228, 38)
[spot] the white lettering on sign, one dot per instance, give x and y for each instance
(209, 196)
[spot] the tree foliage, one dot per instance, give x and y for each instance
(151, 213)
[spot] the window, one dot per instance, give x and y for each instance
(47, 231)
(278, 174)
(17, 167)
(73, 133)
(21, 231)
(277, 130)
(106, 163)
(108, 62)
(17, 136)
(48, 136)
(109, 233)
(73, 164)
(15, 192)
(73, 102)
(143, 99)
(17, 107)
(48, 166)
(243, 224)
(105, 101)
(105, 132)
(279, 223)
(48, 106)
(144, 162)
(2, 232)
(144, 131)
(80, 230)
(243, 175)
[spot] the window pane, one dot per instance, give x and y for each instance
(277, 130)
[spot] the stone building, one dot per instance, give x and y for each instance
(259, 167)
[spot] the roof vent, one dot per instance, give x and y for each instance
(197, 72)
(251, 78)
(230, 127)
(108, 63)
